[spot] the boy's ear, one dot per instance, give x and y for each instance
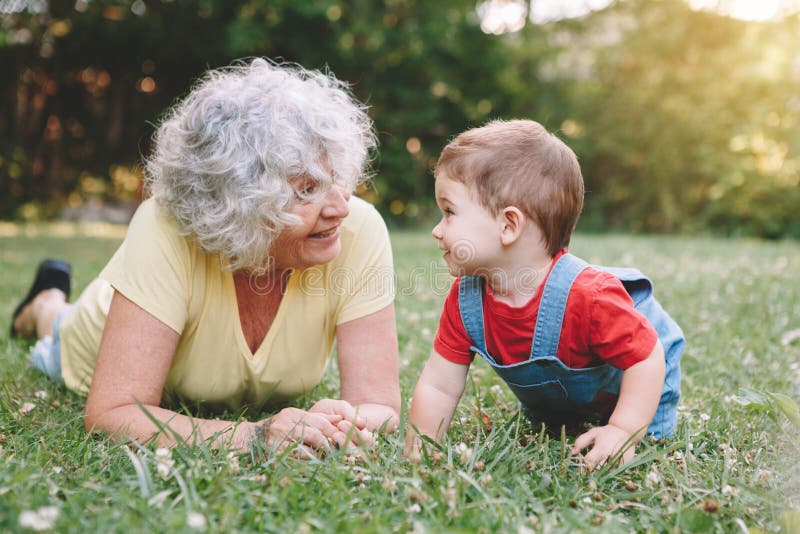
(513, 221)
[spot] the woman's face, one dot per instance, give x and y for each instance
(316, 239)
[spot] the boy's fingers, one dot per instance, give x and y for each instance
(584, 440)
(596, 457)
(628, 455)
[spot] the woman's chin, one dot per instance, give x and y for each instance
(321, 253)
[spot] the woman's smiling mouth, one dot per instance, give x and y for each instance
(327, 233)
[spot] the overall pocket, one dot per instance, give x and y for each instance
(550, 392)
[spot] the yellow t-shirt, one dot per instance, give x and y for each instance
(171, 278)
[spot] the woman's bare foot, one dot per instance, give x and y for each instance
(37, 318)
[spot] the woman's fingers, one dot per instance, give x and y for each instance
(355, 436)
(339, 407)
(312, 431)
(292, 425)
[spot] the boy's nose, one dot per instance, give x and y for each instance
(437, 231)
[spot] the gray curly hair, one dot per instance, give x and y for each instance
(225, 155)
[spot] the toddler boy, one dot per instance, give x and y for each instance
(573, 342)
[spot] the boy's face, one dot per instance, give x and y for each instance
(468, 233)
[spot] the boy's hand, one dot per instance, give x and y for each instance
(605, 441)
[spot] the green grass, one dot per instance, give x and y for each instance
(733, 466)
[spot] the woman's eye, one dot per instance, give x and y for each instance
(306, 189)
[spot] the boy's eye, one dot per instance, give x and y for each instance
(447, 211)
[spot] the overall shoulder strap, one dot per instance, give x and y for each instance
(638, 286)
(551, 308)
(470, 306)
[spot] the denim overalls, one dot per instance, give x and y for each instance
(549, 390)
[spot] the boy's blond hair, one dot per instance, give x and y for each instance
(518, 163)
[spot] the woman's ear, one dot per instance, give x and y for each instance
(513, 221)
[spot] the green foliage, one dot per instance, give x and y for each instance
(683, 120)
(731, 467)
(687, 119)
(771, 402)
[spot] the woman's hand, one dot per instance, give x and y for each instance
(310, 431)
(341, 408)
(369, 368)
(352, 424)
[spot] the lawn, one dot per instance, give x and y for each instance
(732, 467)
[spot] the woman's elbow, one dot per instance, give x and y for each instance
(91, 418)
(95, 415)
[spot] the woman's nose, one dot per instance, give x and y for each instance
(336, 203)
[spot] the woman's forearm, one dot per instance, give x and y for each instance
(135, 422)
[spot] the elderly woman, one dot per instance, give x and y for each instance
(250, 257)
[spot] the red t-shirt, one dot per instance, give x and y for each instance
(600, 325)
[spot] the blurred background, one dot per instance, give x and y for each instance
(685, 114)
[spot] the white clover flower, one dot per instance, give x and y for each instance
(652, 478)
(464, 452)
(26, 407)
(196, 521)
(162, 470)
(450, 495)
(41, 394)
(164, 461)
(414, 509)
(233, 462)
(39, 520)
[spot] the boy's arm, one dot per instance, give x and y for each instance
(436, 396)
(639, 395)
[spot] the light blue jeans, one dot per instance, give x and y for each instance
(46, 354)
